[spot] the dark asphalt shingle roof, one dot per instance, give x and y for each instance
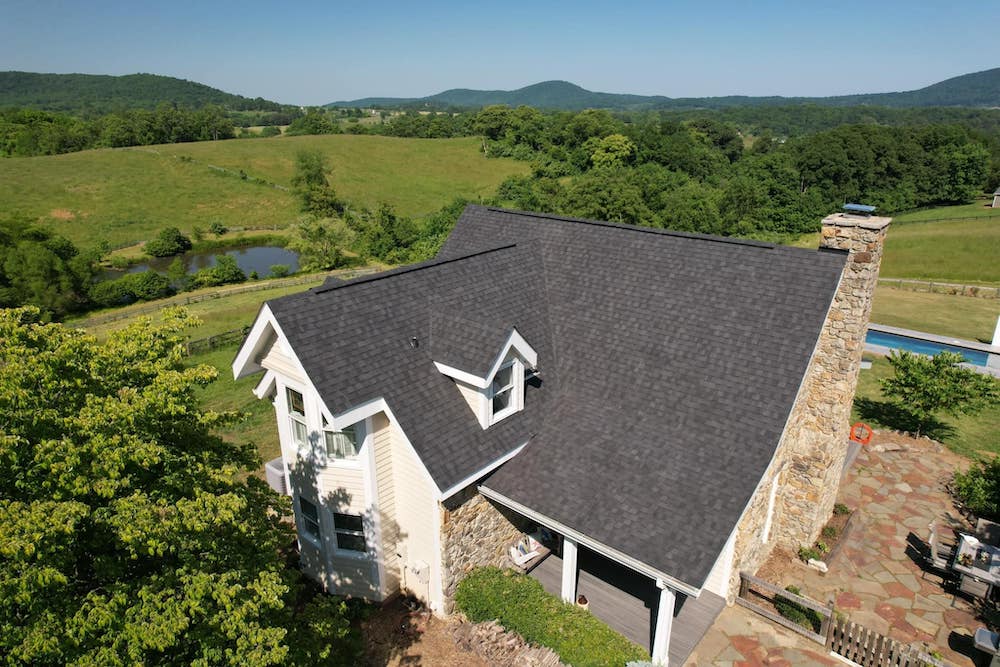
(669, 361)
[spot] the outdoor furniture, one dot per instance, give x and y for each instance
(939, 556)
(979, 565)
(989, 643)
(988, 531)
(528, 553)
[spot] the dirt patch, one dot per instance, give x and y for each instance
(62, 214)
(403, 633)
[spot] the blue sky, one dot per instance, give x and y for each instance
(316, 52)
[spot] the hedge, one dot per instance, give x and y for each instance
(521, 605)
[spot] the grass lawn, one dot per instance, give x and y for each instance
(959, 251)
(971, 436)
(937, 244)
(258, 424)
(217, 315)
(943, 314)
(125, 196)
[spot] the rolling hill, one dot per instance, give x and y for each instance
(979, 89)
(98, 93)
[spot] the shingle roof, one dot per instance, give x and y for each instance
(670, 363)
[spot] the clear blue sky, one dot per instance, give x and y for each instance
(316, 52)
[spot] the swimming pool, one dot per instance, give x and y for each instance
(920, 346)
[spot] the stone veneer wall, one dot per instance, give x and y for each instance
(810, 456)
(474, 533)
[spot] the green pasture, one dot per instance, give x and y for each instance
(126, 195)
(965, 317)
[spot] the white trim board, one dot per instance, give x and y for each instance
(490, 467)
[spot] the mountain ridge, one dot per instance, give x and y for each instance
(102, 93)
(975, 89)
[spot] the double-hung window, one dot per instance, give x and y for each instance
(503, 398)
(350, 531)
(297, 417)
(341, 444)
(309, 515)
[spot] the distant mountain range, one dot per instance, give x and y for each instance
(980, 89)
(100, 93)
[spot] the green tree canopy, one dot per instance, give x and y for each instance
(129, 533)
(928, 385)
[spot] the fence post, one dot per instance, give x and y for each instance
(826, 626)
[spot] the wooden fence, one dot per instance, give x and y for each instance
(837, 633)
(185, 299)
(980, 291)
(868, 648)
(218, 340)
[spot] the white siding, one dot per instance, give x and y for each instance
(417, 518)
(382, 440)
(718, 579)
(274, 359)
(474, 397)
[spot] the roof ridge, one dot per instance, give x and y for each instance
(637, 228)
(430, 264)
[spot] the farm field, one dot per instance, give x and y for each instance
(126, 195)
(965, 317)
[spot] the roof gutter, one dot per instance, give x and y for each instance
(590, 543)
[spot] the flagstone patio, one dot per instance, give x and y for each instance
(877, 577)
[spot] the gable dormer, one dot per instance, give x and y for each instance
(489, 376)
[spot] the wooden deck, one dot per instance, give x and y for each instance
(627, 602)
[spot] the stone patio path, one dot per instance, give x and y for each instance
(876, 578)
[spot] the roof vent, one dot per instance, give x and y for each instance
(861, 210)
(414, 342)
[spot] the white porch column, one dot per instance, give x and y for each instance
(664, 620)
(569, 570)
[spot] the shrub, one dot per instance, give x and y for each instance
(131, 288)
(795, 612)
(979, 489)
(225, 271)
(218, 228)
(805, 553)
(521, 605)
(829, 532)
(168, 242)
(840, 509)
(279, 270)
(271, 131)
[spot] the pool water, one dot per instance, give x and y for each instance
(897, 342)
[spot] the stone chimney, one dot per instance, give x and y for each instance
(819, 426)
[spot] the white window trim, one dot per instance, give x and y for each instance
(300, 520)
(350, 553)
(350, 463)
(516, 389)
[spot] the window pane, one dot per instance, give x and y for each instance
(348, 522)
(501, 401)
(299, 433)
(295, 402)
(312, 527)
(308, 509)
(351, 542)
(503, 378)
(342, 444)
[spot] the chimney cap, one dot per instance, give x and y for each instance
(859, 209)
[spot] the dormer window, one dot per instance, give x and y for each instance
(495, 390)
(502, 390)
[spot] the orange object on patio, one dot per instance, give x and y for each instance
(861, 432)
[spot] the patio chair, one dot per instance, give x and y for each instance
(938, 557)
(974, 587)
(988, 531)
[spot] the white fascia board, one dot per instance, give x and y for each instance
(590, 543)
(465, 377)
(449, 492)
(265, 385)
(515, 341)
(244, 364)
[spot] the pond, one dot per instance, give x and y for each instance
(259, 259)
